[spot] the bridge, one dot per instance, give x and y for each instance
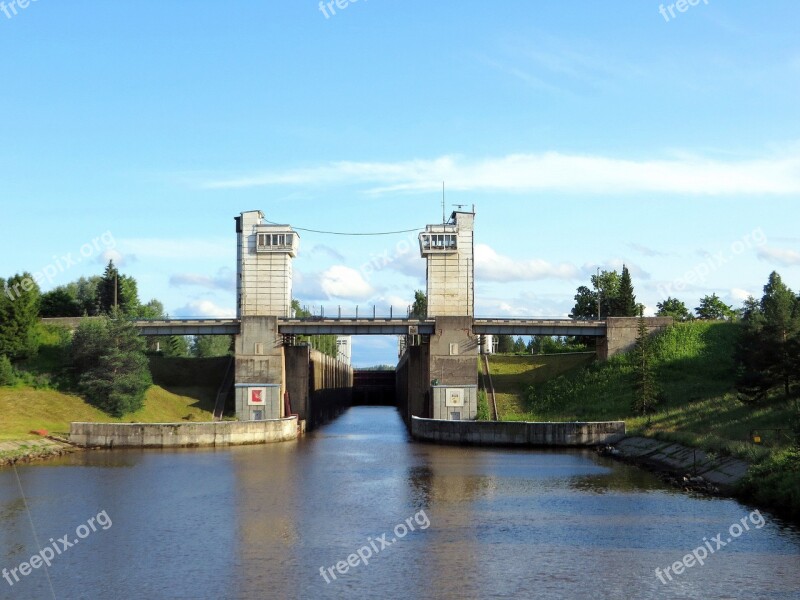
(376, 326)
(437, 375)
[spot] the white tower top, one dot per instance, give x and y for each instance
(449, 251)
(264, 266)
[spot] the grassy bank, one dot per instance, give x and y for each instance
(512, 375)
(697, 406)
(25, 410)
(45, 399)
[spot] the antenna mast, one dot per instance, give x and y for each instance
(443, 215)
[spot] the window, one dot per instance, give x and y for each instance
(439, 242)
(275, 241)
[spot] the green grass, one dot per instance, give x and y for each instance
(513, 374)
(44, 398)
(25, 409)
(697, 406)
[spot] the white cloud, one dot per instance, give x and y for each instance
(204, 309)
(225, 280)
(343, 282)
(491, 266)
(178, 249)
(120, 260)
(548, 172)
(740, 294)
(786, 258)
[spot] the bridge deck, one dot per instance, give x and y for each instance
(378, 326)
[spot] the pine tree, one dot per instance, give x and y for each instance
(19, 316)
(624, 305)
(109, 361)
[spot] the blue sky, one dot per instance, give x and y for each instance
(584, 133)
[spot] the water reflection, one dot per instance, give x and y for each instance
(260, 522)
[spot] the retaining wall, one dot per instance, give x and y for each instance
(182, 435)
(508, 433)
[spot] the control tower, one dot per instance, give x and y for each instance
(448, 249)
(264, 255)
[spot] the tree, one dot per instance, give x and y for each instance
(115, 290)
(110, 364)
(646, 384)
(19, 316)
(152, 310)
(519, 346)
(7, 374)
(672, 307)
(767, 352)
(585, 304)
(505, 344)
(84, 290)
(624, 304)
(419, 310)
(713, 309)
(59, 303)
(205, 346)
(605, 286)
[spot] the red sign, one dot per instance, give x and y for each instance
(257, 397)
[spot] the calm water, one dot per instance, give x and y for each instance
(259, 522)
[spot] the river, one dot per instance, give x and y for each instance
(281, 521)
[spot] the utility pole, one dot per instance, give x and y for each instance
(597, 285)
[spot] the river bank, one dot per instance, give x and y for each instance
(690, 468)
(25, 451)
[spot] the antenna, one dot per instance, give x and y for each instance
(443, 217)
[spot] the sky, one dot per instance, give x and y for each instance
(585, 134)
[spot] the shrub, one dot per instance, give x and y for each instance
(8, 376)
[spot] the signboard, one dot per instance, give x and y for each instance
(454, 397)
(257, 396)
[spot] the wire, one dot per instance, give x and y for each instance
(349, 233)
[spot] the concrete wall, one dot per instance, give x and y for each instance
(259, 360)
(493, 433)
(443, 406)
(320, 387)
(412, 383)
(330, 388)
(177, 435)
(621, 334)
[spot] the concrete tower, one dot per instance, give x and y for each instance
(264, 265)
(264, 294)
(449, 252)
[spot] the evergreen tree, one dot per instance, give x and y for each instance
(505, 344)
(19, 316)
(117, 291)
(767, 349)
(624, 304)
(110, 364)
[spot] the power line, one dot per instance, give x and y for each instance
(349, 233)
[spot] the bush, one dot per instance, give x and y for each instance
(112, 369)
(8, 376)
